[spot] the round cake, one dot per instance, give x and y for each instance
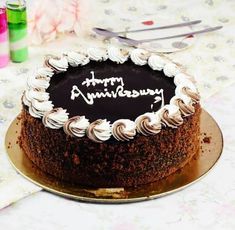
(110, 117)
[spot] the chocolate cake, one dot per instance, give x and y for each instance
(110, 117)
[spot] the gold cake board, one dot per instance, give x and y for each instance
(200, 165)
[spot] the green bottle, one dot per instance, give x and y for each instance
(17, 24)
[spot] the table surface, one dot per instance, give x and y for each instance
(209, 203)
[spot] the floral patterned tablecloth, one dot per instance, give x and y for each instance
(211, 59)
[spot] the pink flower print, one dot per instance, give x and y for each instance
(47, 19)
(52, 19)
(35, 16)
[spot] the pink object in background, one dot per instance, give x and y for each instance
(49, 19)
(4, 46)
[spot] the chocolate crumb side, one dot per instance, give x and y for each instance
(110, 164)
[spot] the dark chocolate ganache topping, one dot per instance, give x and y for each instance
(106, 90)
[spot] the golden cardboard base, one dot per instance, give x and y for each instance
(200, 165)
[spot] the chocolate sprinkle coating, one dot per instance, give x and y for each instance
(112, 163)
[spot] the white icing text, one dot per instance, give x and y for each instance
(120, 91)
